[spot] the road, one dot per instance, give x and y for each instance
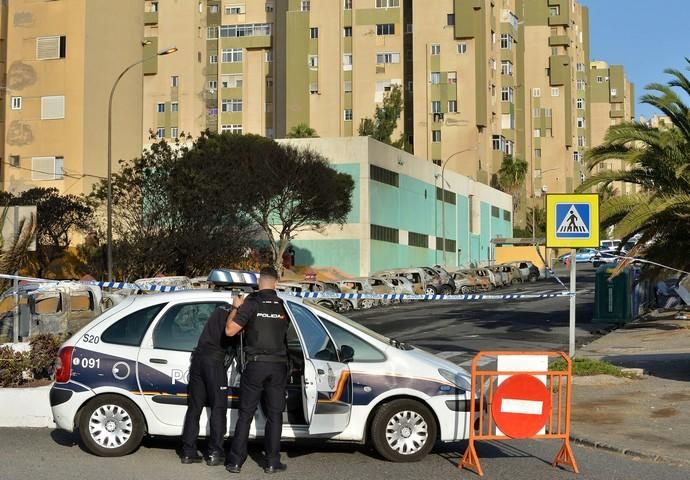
(455, 331)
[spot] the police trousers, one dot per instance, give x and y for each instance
(208, 386)
(267, 381)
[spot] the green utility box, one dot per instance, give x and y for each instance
(614, 298)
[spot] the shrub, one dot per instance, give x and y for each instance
(43, 354)
(13, 366)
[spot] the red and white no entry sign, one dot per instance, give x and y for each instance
(521, 406)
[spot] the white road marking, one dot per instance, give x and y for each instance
(528, 407)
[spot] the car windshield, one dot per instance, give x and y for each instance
(351, 323)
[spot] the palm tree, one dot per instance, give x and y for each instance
(511, 178)
(302, 131)
(14, 255)
(658, 161)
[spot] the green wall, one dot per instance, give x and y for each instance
(342, 254)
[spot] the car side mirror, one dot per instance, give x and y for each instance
(347, 354)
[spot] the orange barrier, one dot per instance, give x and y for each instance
(520, 406)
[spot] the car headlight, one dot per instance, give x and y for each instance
(459, 380)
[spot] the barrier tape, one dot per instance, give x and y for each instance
(319, 295)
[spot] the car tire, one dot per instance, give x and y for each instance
(532, 277)
(396, 419)
(430, 291)
(446, 290)
(346, 306)
(105, 412)
(465, 290)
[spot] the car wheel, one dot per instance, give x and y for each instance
(532, 277)
(111, 426)
(465, 289)
(403, 431)
(346, 306)
(446, 290)
(430, 291)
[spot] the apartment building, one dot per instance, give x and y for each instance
(59, 61)
(612, 102)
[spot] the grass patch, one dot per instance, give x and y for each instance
(583, 367)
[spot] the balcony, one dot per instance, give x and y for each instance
(251, 35)
(559, 41)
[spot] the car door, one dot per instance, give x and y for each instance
(326, 379)
(163, 361)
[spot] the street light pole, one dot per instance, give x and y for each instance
(443, 200)
(109, 213)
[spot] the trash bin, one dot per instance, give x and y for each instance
(614, 298)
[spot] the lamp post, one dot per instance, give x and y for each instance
(109, 214)
(443, 201)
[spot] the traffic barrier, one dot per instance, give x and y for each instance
(518, 403)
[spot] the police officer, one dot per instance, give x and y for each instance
(208, 385)
(265, 323)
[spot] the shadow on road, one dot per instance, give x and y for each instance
(453, 452)
(672, 366)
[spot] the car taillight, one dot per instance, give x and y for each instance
(63, 367)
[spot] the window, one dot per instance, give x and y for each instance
(269, 7)
(50, 48)
(391, 57)
(581, 141)
(507, 215)
(174, 81)
(268, 108)
(213, 59)
(537, 153)
(614, 92)
(347, 86)
(580, 67)
(548, 112)
(314, 88)
(497, 142)
(385, 29)
(181, 326)
(536, 92)
(269, 55)
(313, 61)
(577, 156)
(130, 330)
(174, 107)
(495, 212)
(232, 105)
(507, 121)
(269, 83)
(47, 168)
(160, 107)
(347, 61)
(16, 103)
(53, 107)
(410, 85)
(305, 5)
(387, 3)
(436, 136)
(600, 79)
(314, 32)
(507, 94)
(212, 84)
(316, 341)
(580, 122)
(160, 132)
(435, 49)
(506, 41)
(212, 33)
(555, 91)
(580, 103)
(450, 19)
(508, 150)
(231, 81)
(347, 114)
(231, 55)
(347, 5)
(233, 128)
(364, 352)
(555, 11)
(174, 132)
(435, 78)
(536, 133)
(417, 240)
(580, 84)
(435, 106)
(347, 31)
(452, 78)
(452, 106)
(213, 9)
(506, 67)
(462, 48)
(234, 10)
(548, 132)
(154, 7)
(384, 175)
(409, 28)
(81, 302)
(384, 234)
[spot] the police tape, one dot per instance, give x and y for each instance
(314, 295)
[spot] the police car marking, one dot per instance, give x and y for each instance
(118, 374)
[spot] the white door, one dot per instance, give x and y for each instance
(326, 380)
(163, 363)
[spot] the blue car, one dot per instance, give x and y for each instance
(581, 255)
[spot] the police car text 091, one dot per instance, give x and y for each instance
(125, 374)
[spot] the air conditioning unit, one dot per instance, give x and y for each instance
(14, 160)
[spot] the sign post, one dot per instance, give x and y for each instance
(572, 221)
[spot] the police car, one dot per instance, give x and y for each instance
(124, 375)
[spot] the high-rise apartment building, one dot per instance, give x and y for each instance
(59, 61)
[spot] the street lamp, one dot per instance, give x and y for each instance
(443, 201)
(110, 156)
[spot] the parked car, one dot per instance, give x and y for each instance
(607, 256)
(581, 255)
(465, 282)
(483, 279)
(125, 374)
(502, 277)
(322, 287)
(529, 272)
(609, 244)
(425, 281)
(447, 283)
(402, 285)
(357, 285)
(513, 274)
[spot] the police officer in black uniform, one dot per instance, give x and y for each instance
(265, 323)
(208, 385)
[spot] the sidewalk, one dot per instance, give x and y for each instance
(646, 417)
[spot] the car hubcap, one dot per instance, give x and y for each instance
(407, 432)
(430, 291)
(110, 426)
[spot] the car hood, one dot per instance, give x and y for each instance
(435, 362)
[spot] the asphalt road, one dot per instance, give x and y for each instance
(458, 330)
(40, 454)
(454, 330)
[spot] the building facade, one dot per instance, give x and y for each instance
(401, 217)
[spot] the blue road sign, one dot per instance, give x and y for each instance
(573, 220)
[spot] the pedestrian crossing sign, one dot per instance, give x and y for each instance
(572, 220)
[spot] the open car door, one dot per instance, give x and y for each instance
(326, 381)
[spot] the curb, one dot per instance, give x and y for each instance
(627, 451)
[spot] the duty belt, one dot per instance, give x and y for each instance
(267, 358)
